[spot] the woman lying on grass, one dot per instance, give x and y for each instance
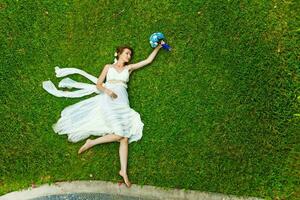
(107, 114)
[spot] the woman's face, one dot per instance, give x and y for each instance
(125, 55)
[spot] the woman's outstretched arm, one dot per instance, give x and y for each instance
(147, 61)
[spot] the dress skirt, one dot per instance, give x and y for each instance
(101, 115)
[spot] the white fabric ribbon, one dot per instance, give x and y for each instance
(84, 88)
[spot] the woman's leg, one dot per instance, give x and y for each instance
(123, 151)
(103, 139)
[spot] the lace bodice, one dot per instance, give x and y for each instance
(113, 74)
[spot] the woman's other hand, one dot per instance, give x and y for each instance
(114, 95)
(111, 94)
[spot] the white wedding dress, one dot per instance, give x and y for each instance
(100, 114)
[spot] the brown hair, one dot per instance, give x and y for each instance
(120, 50)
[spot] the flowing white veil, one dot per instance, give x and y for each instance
(83, 88)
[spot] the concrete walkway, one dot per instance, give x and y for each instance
(108, 190)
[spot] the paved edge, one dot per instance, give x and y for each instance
(113, 188)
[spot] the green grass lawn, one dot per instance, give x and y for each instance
(219, 110)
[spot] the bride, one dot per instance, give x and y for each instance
(107, 114)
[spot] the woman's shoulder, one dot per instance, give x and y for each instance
(129, 67)
(107, 66)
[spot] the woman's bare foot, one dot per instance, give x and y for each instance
(86, 146)
(125, 177)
